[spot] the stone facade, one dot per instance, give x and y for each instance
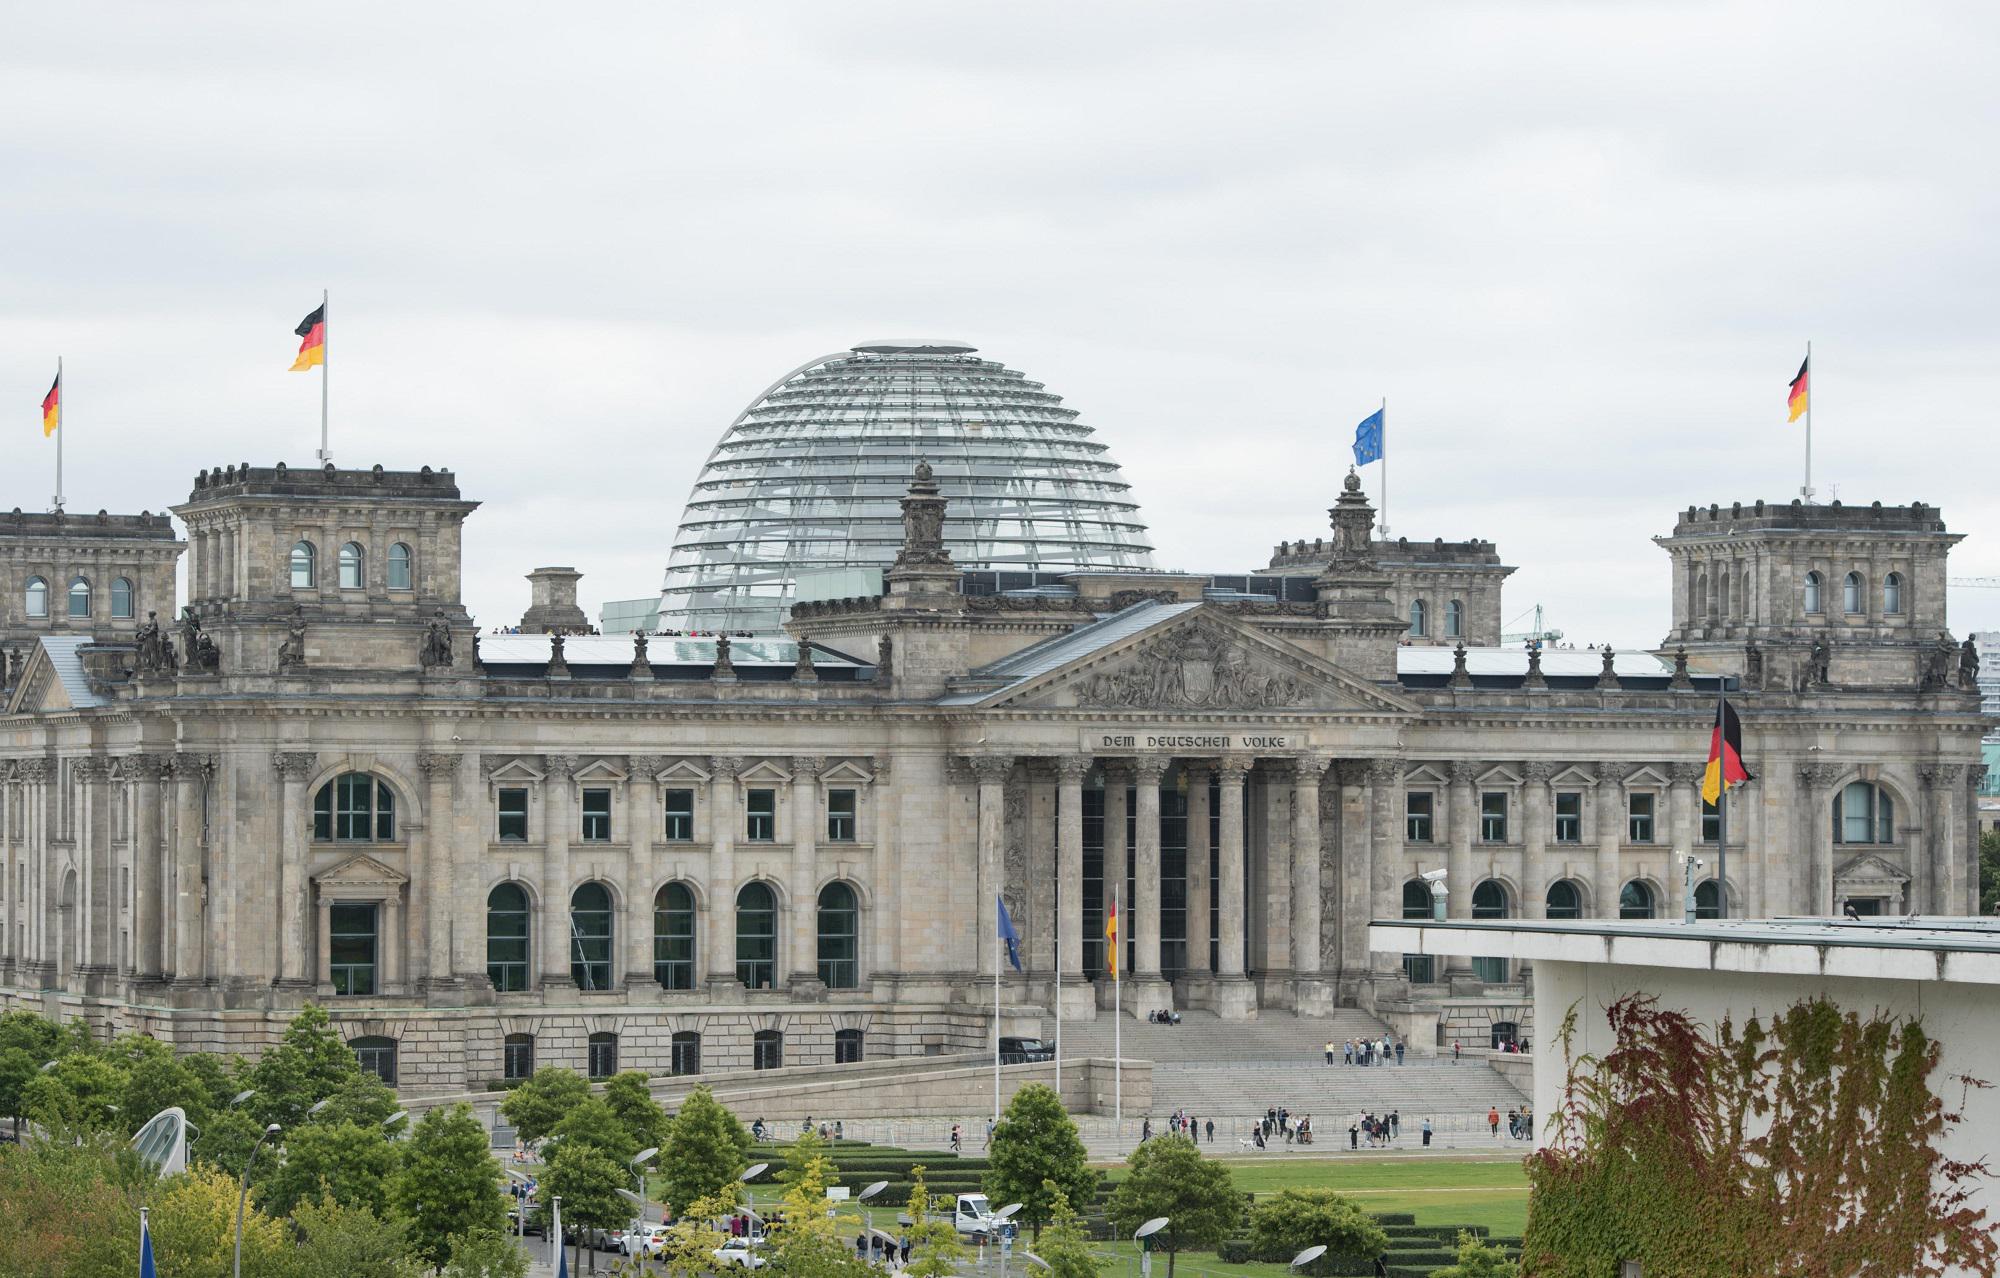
(1447, 591)
(722, 861)
(124, 564)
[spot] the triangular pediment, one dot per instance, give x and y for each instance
(39, 689)
(1869, 868)
(360, 870)
(682, 772)
(1425, 774)
(847, 772)
(514, 770)
(1195, 661)
(1646, 777)
(766, 771)
(599, 770)
(1572, 775)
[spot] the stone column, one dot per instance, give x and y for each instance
(1941, 852)
(1464, 827)
(97, 898)
(553, 916)
(1198, 854)
(643, 817)
(718, 928)
(1384, 863)
(1607, 806)
(323, 950)
(441, 871)
(1306, 773)
(294, 967)
(148, 869)
(1076, 1001)
(1146, 773)
(191, 773)
(804, 965)
(1538, 818)
(1683, 828)
(1234, 998)
(1815, 792)
(989, 771)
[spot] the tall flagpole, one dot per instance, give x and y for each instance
(1117, 1022)
(326, 372)
(999, 946)
(1812, 393)
(1055, 992)
(62, 428)
(1384, 450)
(1722, 792)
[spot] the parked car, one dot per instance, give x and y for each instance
(1025, 1051)
(738, 1252)
(537, 1225)
(645, 1240)
(607, 1239)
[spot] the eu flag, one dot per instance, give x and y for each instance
(1009, 935)
(146, 1269)
(1368, 439)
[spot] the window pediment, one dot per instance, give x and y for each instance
(1870, 871)
(1499, 777)
(600, 772)
(845, 773)
(361, 876)
(1424, 775)
(683, 772)
(1574, 777)
(766, 772)
(1646, 777)
(514, 771)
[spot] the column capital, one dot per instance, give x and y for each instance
(294, 765)
(91, 767)
(192, 767)
(1309, 768)
(32, 770)
(1147, 769)
(1232, 768)
(1538, 771)
(1071, 769)
(1686, 773)
(1815, 775)
(1935, 776)
(148, 766)
(559, 766)
(439, 766)
(990, 769)
(1464, 771)
(725, 767)
(805, 767)
(1614, 774)
(644, 767)
(1384, 771)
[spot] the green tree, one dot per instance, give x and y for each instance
(592, 1122)
(935, 1249)
(346, 1241)
(1989, 872)
(706, 1149)
(691, 1240)
(194, 1230)
(449, 1182)
(801, 1154)
(17, 1068)
(1477, 1259)
(536, 1106)
(1291, 1220)
(587, 1180)
(82, 1093)
(1169, 1177)
(1034, 1147)
(485, 1253)
(342, 1163)
(643, 1118)
(162, 1081)
(807, 1243)
(310, 1063)
(1063, 1245)
(66, 1208)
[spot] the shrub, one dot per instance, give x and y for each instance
(1292, 1220)
(1233, 1251)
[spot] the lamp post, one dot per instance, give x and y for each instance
(236, 1267)
(395, 1118)
(1307, 1256)
(242, 1096)
(1000, 1244)
(869, 1212)
(1139, 1235)
(643, 1156)
(750, 1173)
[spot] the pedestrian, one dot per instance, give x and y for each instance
(1382, 1265)
(1493, 1121)
(861, 1246)
(954, 1138)
(904, 1246)
(1145, 1131)
(1347, 1052)
(1354, 1136)
(839, 1130)
(1329, 1051)
(1395, 1124)
(1211, 1131)
(1427, 1133)
(988, 1142)
(1454, 1051)
(1399, 1051)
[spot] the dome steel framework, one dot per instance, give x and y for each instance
(805, 483)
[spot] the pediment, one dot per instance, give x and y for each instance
(1869, 868)
(847, 772)
(1573, 775)
(1646, 777)
(1195, 662)
(684, 772)
(361, 870)
(599, 770)
(1500, 776)
(515, 770)
(39, 689)
(1425, 774)
(766, 771)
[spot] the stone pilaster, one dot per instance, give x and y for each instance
(1537, 815)
(294, 768)
(1076, 1000)
(643, 816)
(718, 926)
(148, 865)
(1607, 805)
(989, 772)
(191, 776)
(1816, 857)
(804, 976)
(1199, 855)
(1234, 997)
(552, 916)
(440, 871)
(1149, 989)
(1463, 823)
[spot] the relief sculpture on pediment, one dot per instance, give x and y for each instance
(1197, 668)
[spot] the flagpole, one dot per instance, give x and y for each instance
(1812, 393)
(1385, 468)
(1117, 1024)
(1055, 992)
(1000, 945)
(325, 372)
(62, 428)
(1722, 791)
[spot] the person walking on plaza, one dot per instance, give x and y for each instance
(1454, 1051)
(1399, 1051)
(1329, 1051)
(1354, 1135)
(1211, 1131)
(1145, 1131)
(1427, 1133)
(1395, 1124)
(1493, 1121)
(1347, 1054)
(954, 1138)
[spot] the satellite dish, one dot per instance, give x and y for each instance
(1309, 1255)
(1151, 1227)
(872, 1190)
(162, 1142)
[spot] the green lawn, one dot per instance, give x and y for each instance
(1441, 1191)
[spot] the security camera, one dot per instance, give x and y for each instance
(1435, 876)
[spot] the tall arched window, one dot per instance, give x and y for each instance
(400, 575)
(305, 565)
(1417, 618)
(590, 937)
(1701, 608)
(350, 566)
(121, 599)
(1812, 592)
(1635, 901)
(1892, 593)
(1722, 594)
(673, 937)
(1850, 592)
(1564, 901)
(1489, 901)
(507, 937)
(355, 808)
(686, 1058)
(79, 597)
(1706, 900)
(756, 937)
(517, 1057)
(767, 1050)
(846, 1046)
(37, 597)
(1418, 968)
(1454, 620)
(839, 939)
(1864, 813)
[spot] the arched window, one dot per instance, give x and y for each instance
(673, 937)
(846, 1046)
(355, 808)
(377, 1057)
(1864, 813)
(756, 937)
(1812, 592)
(1892, 593)
(1419, 969)
(507, 938)
(79, 597)
(601, 1054)
(1743, 596)
(304, 565)
(1850, 592)
(1701, 608)
(1564, 901)
(590, 937)
(121, 599)
(1489, 901)
(1454, 620)
(839, 941)
(1706, 900)
(1722, 594)
(1635, 901)
(399, 567)
(517, 1057)
(350, 566)
(37, 597)
(686, 1057)
(1417, 619)
(767, 1050)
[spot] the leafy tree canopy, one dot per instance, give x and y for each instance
(350, 1241)
(1170, 1178)
(587, 1180)
(1478, 1259)
(83, 1092)
(592, 1122)
(537, 1105)
(1291, 1220)
(1037, 1155)
(485, 1253)
(706, 1149)
(644, 1119)
(1063, 1245)
(449, 1182)
(343, 1163)
(935, 1249)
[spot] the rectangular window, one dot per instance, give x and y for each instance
(687, 1053)
(1569, 816)
(840, 816)
(763, 824)
(513, 816)
(1711, 822)
(351, 946)
(596, 815)
(517, 1057)
(1417, 806)
(1417, 969)
(1639, 818)
(1493, 816)
(601, 1055)
(680, 816)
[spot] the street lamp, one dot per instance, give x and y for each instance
(319, 1105)
(863, 1198)
(643, 1156)
(750, 1173)
(1147, 1230)
(242, 1096)
(395, 1118)
(1307, 1256)
(272, 1130)
(1438, 891)
(1000, 1245)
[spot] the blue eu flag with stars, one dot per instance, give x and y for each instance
(1368, 439)
(1009, 935)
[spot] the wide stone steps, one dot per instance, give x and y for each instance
(1203, 1036)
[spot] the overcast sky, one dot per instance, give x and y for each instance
(1579, 247)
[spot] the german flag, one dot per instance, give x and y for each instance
(1111, 934)
(1797, 398)
(312, 351)
(52, 408)
(1725, 754)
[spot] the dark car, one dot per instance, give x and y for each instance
(1025, 1051)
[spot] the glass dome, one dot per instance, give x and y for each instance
(803, 489)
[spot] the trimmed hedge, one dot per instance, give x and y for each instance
(1233, 1251)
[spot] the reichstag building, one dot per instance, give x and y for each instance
(913, 655)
